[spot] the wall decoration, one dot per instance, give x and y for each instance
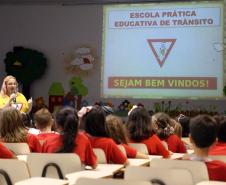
(73, 98)
(56, 96)
(69, 100)
(82, 60)
(224, 90)
(85, 103)
(125, 105)
(26, 65)
(78, 89)
(38, 104)
(123, 108)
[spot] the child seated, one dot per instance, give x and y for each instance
(44, 122)
(165, 131)
(117, 132)
(220, 147)
(139, 127)
(95, 128)
(70, 140)
(203, 132)
(12, 129)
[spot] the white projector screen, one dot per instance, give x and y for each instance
(163, 50)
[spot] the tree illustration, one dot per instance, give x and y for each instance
(78, 89)
(26, 65)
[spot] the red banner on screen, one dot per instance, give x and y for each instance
(208, 83)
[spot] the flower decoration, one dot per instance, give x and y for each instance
(125, 106)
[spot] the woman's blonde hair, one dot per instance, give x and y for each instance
(12, 128)
(6, 79)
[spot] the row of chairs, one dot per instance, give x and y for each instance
(39, 165)
(58, 165)
(88, 181)
(49, 165)
(61, 164)
(23, 149)
(166, 171)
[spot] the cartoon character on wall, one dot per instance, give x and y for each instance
(82, 60)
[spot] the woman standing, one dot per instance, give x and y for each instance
(9, 96)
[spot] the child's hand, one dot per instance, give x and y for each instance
(83, 111)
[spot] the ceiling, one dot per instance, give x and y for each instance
(80, 2)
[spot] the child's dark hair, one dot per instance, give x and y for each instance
(203, 130)
(67, 119)
(139, 124)
(27, 120)
(94, 122)
(163, 123)
(221, 125)
(184, 121)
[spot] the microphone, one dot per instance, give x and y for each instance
(14, 100)
(14, 97)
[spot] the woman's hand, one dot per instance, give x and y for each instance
(30, 104)
(12, 98)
